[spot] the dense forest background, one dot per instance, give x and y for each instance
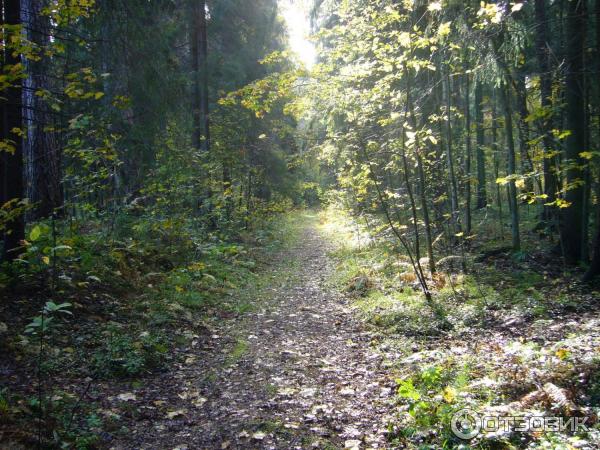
(434, 111)
(149, 148)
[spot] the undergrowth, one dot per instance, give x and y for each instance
(520, 341)
(138, 288)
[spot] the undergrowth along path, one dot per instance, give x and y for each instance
(297, 371)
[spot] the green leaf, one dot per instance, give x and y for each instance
(406, 389)
(35, 233)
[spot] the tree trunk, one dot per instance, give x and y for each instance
(40, 147)
(467, 156)
(510, 144)
(594, 269)
(497, 167)
(449, 155)
(526, 165)
(543, 56)
(480, 136)
(421, 174)
(11, 186)
(571, 221)
(201, 134)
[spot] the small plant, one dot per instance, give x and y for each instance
(432, 397)
(124, 356)
(43, 323)
(40, 326)
(4, 403)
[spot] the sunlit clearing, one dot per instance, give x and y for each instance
(340, 226)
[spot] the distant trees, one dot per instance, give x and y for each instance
(466, 61)
(106, 104)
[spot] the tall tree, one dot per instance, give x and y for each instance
(594, 268)
(468, 154)
(11, 186)
(40, 147)
(201, 135)
(480, 138)
(571, 221)
(543, 58)
(511, 169)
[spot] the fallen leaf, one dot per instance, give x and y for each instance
(347, 391)
(127, 396)
(259, 435)
(199, 402)
(352, 444)
(178, 413)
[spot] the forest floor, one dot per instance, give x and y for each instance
(313, 334)
(296, 372)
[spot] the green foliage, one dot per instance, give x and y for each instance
(44, 322)
(126, 355)
(433, 397)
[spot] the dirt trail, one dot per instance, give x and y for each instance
(298, 373)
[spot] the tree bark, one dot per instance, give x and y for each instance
(510, 145)
(526, 165)
(11, 186)
(449, 155)
(480, 137)
(40, 147)
(571, 228)
(497, 167)
(201, 134)
(468, 155)
(594, 268)
(543, 57)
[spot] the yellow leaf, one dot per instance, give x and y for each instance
(449, 394)
(444, 29)
(586, 155)
(46, 260)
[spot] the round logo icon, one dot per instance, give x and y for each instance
(465, 424)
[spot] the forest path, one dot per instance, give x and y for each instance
(297, 372)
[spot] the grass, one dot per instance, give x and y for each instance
(238, 351)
